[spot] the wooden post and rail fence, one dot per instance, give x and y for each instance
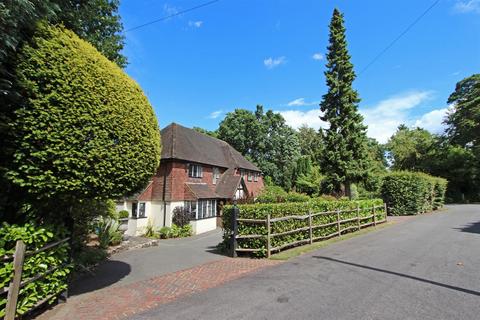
(358, 220)
(16, 283)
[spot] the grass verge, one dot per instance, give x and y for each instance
(294, 252)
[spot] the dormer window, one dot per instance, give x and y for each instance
(195, 171)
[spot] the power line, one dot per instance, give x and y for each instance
(173, 15)
(399, 36)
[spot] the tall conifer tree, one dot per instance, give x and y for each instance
(345, 159)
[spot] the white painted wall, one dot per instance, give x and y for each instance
(204, 225)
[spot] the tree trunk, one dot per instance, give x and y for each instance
(348, 189)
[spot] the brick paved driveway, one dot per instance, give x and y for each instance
(120, 302)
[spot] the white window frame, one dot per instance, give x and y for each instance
(255, 176)
(139, 210)
(205, 208)
(216, 175)
(250, 176)
(195, 171)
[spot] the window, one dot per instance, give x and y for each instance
(138, 210)
(242, 173)
(202, 209)
(216, 175)
(191, 208)
(255, 176)
(195, 171)
(250, 176)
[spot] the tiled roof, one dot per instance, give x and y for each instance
(183, 143)
(227, 185)
(201, 190)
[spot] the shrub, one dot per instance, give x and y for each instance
(175, 231)
(275, 194)
(87, 131)
(409, 193)
(108, 232)
(123, 214)
(34, 238)
(181, 216)
(277, 210)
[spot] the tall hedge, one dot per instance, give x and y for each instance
(409, 193)
(86, 130)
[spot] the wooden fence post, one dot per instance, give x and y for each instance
(14, 288)
(374, 217)
(310, 230)
(268, 236)
(386, 208)
(338, 223)
(358, 217)
(235, 231)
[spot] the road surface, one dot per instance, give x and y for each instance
(425, 268)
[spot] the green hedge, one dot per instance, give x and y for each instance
(409, 193)
(277, 210)
(34, 238)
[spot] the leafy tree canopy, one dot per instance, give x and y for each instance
(265, 139)
(87, 130)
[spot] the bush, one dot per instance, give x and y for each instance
(410, 193)
(123, 214)
(87, 131)
(34, 238)
(181, 216)
(108, 232)
(277, 210)
(175, 231)
(275, 194)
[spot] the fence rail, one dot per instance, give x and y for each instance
(268, 222)
(16, 284)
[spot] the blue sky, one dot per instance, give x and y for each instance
(239, 53)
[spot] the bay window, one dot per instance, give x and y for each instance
(202, 209)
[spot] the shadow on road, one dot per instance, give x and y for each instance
(106, 274)
(468, 291)
(473, 227)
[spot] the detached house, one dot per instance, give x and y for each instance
(197, 172)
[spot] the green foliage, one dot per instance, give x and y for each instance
(278, 210)
(345, 157)
(409, 149)
(310, 182)
(311, 143)
(87, 131)
(108, 233)
(123, 214)
(35, 238)
(175, 231)
(213, 134)
(275, 194)
(464, 120)
(409, 193)
(265, 139)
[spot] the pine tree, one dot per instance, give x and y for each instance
(345, 159)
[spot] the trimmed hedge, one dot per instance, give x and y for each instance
(34, 238)
(87, 131)
(277, 210)
(410, 193)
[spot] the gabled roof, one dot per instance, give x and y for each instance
(201, 190)
(227, 185)
(187, 144)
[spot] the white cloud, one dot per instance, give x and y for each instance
(300, 102)
(433, 121)
(271, 63)
(467, 6)
(195, 24)
(296, 118)
(317, 56)
(215, 114)
(382, 119)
